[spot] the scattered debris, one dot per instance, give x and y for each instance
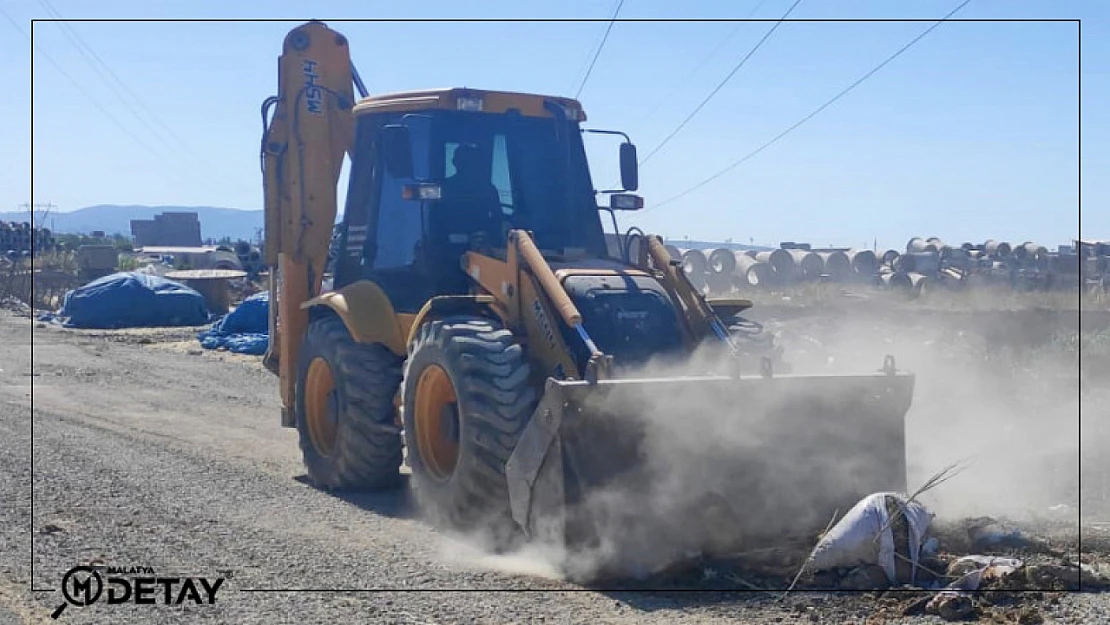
(866, 536)
(986, 533)
(975, 563)
(951, 605)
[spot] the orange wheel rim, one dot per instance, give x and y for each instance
(321, 406)
(436, 421)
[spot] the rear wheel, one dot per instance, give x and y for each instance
(344, 408)
(467, 398)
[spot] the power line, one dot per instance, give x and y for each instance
(782, 134)
(732, 73)
(68, 32)
(604, 38)
(708, 57)
(111, 77)
(83, 91)
(80, 43)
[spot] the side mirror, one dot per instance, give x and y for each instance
(397, 151)
(630, 172)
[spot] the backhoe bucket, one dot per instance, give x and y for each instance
(658, 468)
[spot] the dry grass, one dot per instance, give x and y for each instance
(42, 283)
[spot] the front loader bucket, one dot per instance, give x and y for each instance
(704, 464)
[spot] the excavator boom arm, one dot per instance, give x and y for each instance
(311, 129)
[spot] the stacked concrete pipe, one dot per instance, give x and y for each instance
(838, 265)
(749, 273)
(696, 265)
(781, 263)
(864, 263)
(808, 266)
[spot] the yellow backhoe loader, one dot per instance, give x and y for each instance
(478, 322)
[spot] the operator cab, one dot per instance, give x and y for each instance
(435, 174)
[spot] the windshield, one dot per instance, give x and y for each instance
(531, 172)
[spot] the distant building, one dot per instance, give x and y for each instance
(167, 229)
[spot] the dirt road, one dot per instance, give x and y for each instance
(161, 456)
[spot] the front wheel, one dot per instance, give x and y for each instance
(344, 409)
(467, 397)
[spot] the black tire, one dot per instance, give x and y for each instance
(495, 398)
(366, 454)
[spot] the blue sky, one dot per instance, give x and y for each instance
(970, 134)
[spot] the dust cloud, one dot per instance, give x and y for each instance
(727, 468)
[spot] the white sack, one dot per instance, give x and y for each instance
(864, 536)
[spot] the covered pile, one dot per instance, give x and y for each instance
(133, 300)
(244, 330)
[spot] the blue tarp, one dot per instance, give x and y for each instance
(133, 300)
(244, 330)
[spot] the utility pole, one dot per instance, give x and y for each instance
(30, 208)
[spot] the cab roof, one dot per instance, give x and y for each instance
(461, 98)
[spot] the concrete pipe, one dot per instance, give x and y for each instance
(696, 266)
(921, 262)
(864, 262)
(719, 283)
(920, 284)
(750, 273)
(997, 249)
(917, 244)
(837, 264)
(969, 247)
(954, 257)
(722, 261)
(808, 265)
(896, 281)
(675, 253)
(889, 257)
(1032, 254)
(953, 278)
(936, 242)
(780, 261)
(695, 260)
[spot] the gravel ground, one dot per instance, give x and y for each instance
(148, 452)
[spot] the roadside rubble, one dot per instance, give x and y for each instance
(893, 552)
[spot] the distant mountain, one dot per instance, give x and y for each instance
(215, 222)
